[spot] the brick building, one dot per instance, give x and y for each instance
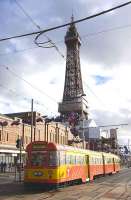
(18, 125)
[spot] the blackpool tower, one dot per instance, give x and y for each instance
(73, 96)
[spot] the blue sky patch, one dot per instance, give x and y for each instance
(101, 79)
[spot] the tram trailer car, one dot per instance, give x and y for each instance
(51, 164)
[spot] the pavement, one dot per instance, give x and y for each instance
(10, 177)
(6, 174)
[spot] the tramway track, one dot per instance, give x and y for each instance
(115, 195)
(103, 188)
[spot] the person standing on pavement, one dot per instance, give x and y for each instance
(1, 167)
(10, 166)
(4, 167)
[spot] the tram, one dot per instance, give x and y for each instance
(52, 164)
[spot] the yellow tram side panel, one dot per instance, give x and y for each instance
(41, 174)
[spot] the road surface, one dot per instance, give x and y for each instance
(114, 187)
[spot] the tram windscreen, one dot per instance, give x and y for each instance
(38, 158)
(53, 158)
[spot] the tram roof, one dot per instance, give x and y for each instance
(61, 147)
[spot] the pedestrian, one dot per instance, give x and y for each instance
(10, 166)
(1, 166)
(4, 167)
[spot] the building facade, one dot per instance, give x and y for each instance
(13, 127)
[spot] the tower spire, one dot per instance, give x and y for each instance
(73, 100)
(72, 17)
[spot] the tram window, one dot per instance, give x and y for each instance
(98, 161)
(62, 158)
(82, 160)
(109, 160)
(38, 158)
(105, 160)
(101, 162)
(92, 160)
(67, 159)
(78, 159)
(72, 159)
(54, 158)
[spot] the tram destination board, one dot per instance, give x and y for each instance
(39, 146)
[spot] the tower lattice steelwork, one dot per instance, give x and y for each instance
(73, 95)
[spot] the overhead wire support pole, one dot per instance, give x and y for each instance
(32, 119)
(20, 168)
(63, 25)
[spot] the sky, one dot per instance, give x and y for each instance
(27, 71)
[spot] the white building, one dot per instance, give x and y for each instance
(89, 130)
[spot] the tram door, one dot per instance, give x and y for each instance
(104, 160)
(88, 166)
(114, 164)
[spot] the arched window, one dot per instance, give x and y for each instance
(0, 136)
(7, 136)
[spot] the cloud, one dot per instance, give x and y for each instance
(105, 58)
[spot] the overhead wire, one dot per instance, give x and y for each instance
(94, 94)
(39, 44)
(53, 28)
(27, 15)
(7, 68)
(66, 24)
(93, 34)
(27, 82)
(15, 93)
(34, 23)
(18, 51)
(107, 30)
(37, 102)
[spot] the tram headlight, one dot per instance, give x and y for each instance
(38, 173)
